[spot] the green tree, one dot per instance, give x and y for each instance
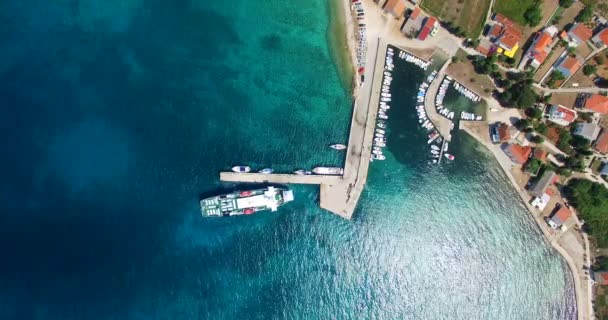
(591, 201)
(527, 97)
(589, 69)
(534, 113)
(522, 124)
(541, 128)
(533, 15)
(580, 142)
(566, 3)
(586, 14)
(537, 139)
(533, 165)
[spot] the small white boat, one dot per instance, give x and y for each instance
(380, 140)
(381, 131)
(434, 147)
(382, 116)
(433, 161)
(241, 169)
(302, 172)
(266, 171)
(434, 152)
(449, 156)
(377, 151)
(379, 144)
(379, 135)
(328, 170)
(378, 157)
(381, 125)
(338, 146)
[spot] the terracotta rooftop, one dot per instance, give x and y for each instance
(510, 37)
(427, 28)
(562, 214)
(603, 35)
(503, 132)
(396, 6)
(597, 103)
(540, 49)
(415, 13)
(540, 154)
(568, 115)
(572, 64)
(519, 153)
(580, 31)
(601, 144)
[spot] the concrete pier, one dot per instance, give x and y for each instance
(442, 124)
(340, 194)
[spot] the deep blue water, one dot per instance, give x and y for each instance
(118, 114)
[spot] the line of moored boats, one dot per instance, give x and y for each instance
(383, 107)
(357, 9)
(466, 92)
(415, 60)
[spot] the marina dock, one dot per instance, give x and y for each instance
(442, 124)
(340, 194)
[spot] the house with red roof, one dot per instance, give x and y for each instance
(601, 38)
(601, 144)
(569, 65)
(541, 46)
(561, 115)
(593, 103)
(600, 277)
(413, 22)
(517, 153)
(559, 217)
(396, 8)
(577, 34)
(506, 35)
(540, 154)
(429, 26)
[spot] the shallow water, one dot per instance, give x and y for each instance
(118, 114)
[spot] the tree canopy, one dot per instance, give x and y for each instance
(533, 15)
(586, 14)
(591, 200)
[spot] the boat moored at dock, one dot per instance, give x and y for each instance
(245, 202)
(328, 170)
(338, 146)
(241, 169)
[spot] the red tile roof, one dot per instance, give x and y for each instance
(568, 114)
(518, 153)
(427, 28)
(571, 63)
(601, 144)
(415, 13)
(510, 37)
(495, 31)
(603, 35)
(395, 6)
(540, 49)
(563, 213)
(503, 132)
(540, 154)
(550, 192)
(597, 103)
(581, 31)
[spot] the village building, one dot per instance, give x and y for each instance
(540, 154)
(541, 185)
(501, 132)
(593, 103)
(517, 153)
(541, 46)
(506, 35)
(430, 27)
(559, 217)
(577, 34)
(600, 277)
(604, 169)
(396, 8)
(541, 202)
(589, 131)
(569, 65)
(560, 115)
(601, 144)
(413, 23)
(601, 38)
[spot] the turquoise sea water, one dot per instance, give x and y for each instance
(118, 114)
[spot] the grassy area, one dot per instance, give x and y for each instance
(468, 15)
(514, 9)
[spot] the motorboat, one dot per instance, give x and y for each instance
(382, 116)
(241, 169)
(449, 156)
(380, 131)
(266, 171)
(381, 125)
(434, 147)
(338, 146)
(377, 151)
(378, 157)
(302, 172)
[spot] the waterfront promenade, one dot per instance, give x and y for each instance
(340, 194)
